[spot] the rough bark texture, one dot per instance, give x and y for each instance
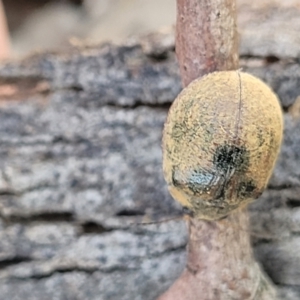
(206, 37)
(81, 161)
(269, 27)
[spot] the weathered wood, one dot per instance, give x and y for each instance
(76, 131)
(269, 28)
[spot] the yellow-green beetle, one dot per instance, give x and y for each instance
(220, 143)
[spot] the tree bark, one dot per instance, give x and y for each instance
(77, 129)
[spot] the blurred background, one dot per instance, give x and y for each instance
(267, 27)
(81, 157)
(36, 25)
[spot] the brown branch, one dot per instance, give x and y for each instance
(220, 262)
(206, 37)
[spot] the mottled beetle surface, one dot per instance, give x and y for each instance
(220, 142)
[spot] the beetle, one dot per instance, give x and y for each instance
(220, 143)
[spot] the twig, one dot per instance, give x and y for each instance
(220, 263)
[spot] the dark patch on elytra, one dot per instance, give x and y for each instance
(229, 157)
(194, 188)
(247, 189)
(221, 193)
